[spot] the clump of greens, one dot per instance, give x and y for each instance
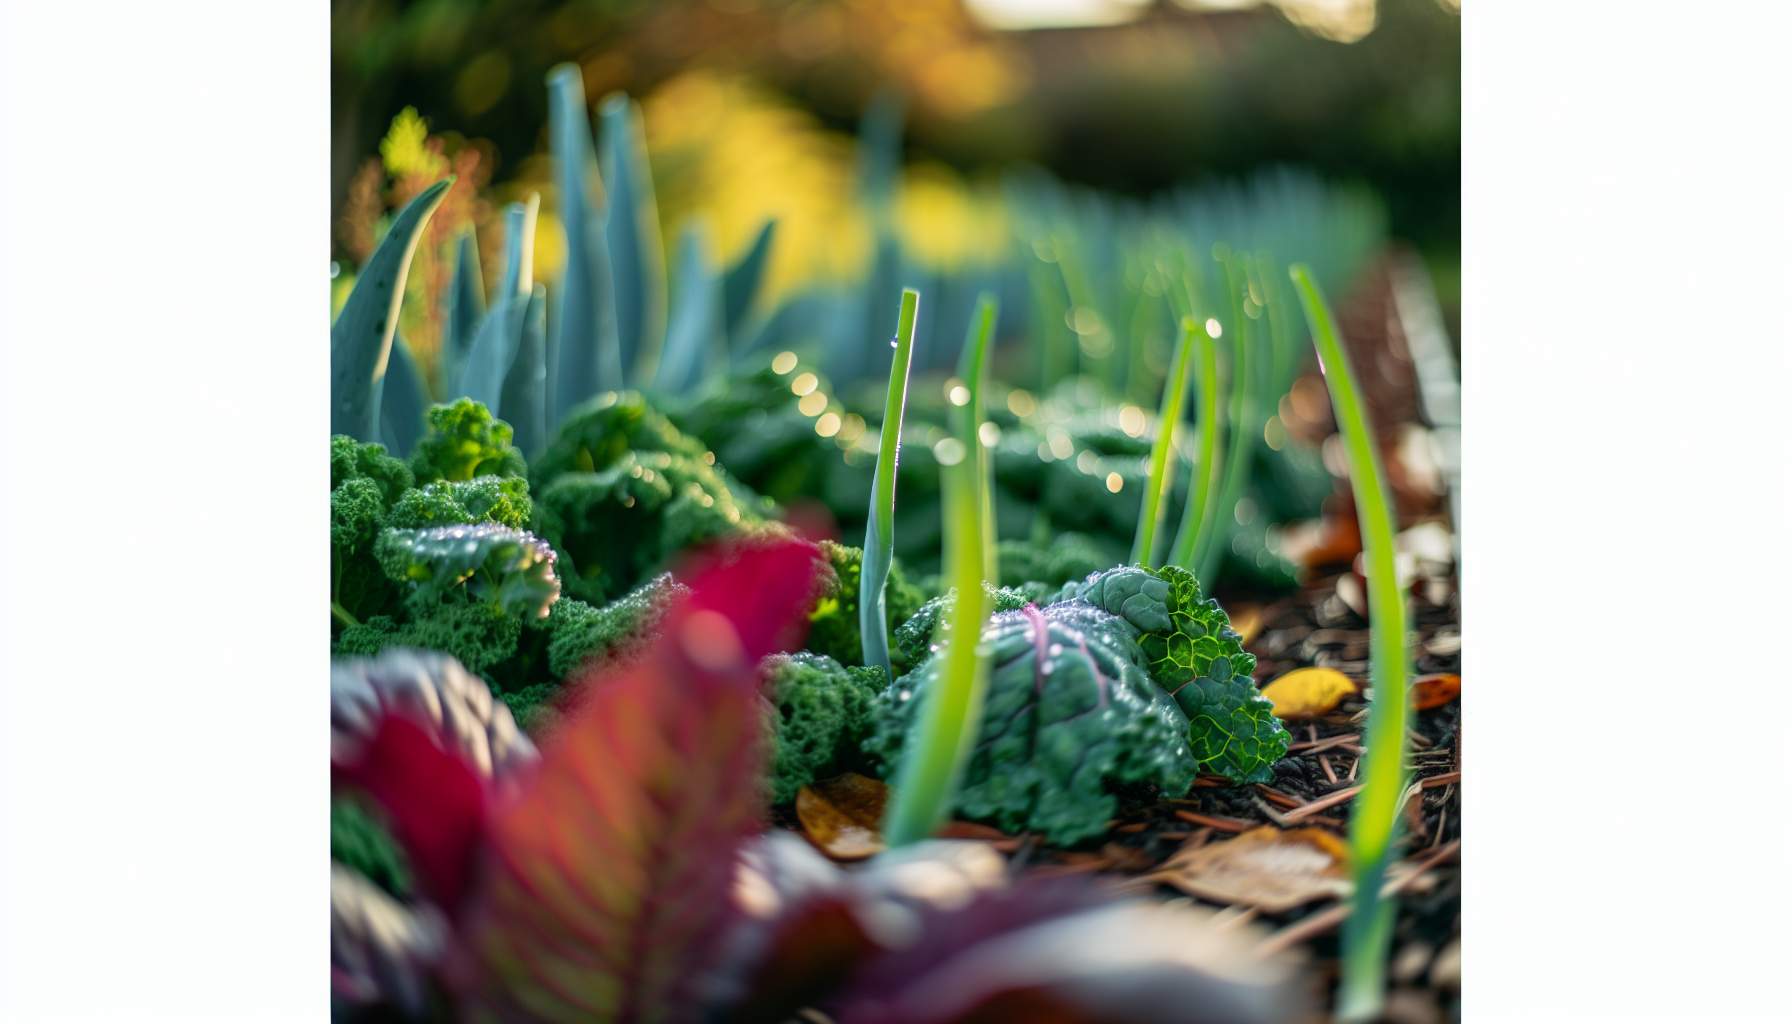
(446, 566)
(834, 622)
(535, 707)
(479, 636)
(364, 481)
(620, 492)
(913, 641)
(450, 565)
(487, 564)
(360, 840)
(486, 499)
(1191, 651)
(1069, 712)
(584, 637)
(353, 460)
(820, 714)
(465, 440)
(1132, 675)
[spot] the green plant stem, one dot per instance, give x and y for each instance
(1163, 468)
(973, 366)
(880, 529)
(1056, 354)
(935, 754)
(1196, 513)
(342, 615)
(1374, 819)
(1241, 418)
(1283, 345)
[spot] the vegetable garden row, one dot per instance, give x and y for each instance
(855, 656)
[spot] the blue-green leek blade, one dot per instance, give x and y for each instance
(632, 227)
(466, 307)
(693, 337)
(586, 358)
(741, 283)
(402, 401)
(361, 338)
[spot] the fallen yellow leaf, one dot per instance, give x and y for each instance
(1435, 691)
(841, 815)
(1308, 692)
(1247, 620)
(1265, 868)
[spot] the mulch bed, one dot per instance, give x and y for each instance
(1313, 786)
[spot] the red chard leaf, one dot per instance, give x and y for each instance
(608, 878)
(436, 802)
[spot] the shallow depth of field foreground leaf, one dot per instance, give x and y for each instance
(606, 880)
(1308, 692)
(841, 815)
(1265, 868)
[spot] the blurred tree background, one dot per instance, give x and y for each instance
(750, 104)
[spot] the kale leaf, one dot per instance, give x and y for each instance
(913, 641)
(1233, 728)
(495, 499)
(620, 492)
(464, 441)
(821, 712)
(1181, 631)
(584, 637)
(485, 563)
(1192, 652)
(1070, 711)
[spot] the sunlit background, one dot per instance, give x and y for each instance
(750, 108)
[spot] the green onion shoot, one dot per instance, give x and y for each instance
(1375, 820)
(880, 527)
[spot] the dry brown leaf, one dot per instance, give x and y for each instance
(1265, 868)
(1308, 692)
(970, 830)
(1435, 691)
(1321, 543)
(1126, 858)
(842, 815)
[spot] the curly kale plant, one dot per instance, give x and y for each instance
(1181, 631)
(1070, 711)
(486, 499)
(913, 641)
(1129, 676)
(485, 564)
(1191, 650)
(1232, 727)
(464, 441)
(620, 492)
(834, 622)
(364, 482)
(822, 711)
(587, 637)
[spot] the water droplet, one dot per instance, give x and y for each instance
(892, 341)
